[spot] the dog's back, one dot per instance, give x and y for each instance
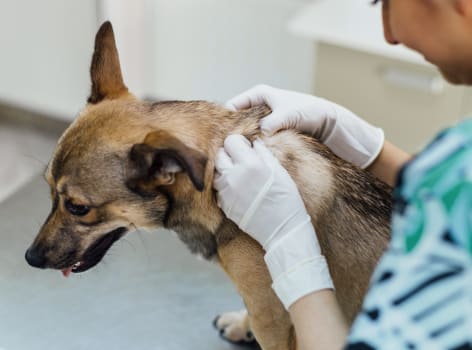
(350, 208)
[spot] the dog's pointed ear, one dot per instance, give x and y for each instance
(105, 70)
(155, 163)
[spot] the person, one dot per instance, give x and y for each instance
(420, 295)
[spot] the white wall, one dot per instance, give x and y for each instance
(213, 49)
(45, 52)
(179, 49)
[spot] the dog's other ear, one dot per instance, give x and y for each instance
(105, 71)
(156, 161)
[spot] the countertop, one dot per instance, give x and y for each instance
(354, 24)
(149, 293)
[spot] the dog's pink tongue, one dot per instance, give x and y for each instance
(66, 272)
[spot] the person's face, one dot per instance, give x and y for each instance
(439, 29)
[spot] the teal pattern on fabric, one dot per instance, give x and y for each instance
(420, 295)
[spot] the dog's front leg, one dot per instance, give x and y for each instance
(243, 260)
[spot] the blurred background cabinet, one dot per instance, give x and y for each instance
(411, 102)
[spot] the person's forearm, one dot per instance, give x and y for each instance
(388, 163)
(318, 321)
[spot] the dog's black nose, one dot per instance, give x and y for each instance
(35, 259)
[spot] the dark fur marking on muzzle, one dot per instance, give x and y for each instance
(94, 254)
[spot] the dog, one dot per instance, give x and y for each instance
(125, 164)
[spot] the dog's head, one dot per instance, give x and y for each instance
(120, 166)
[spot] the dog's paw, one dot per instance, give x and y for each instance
(234, 327)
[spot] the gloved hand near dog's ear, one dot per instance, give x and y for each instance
(347, 135)
(258, 194)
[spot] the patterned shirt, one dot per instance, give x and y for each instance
(420, 295)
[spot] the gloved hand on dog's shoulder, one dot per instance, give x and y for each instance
(257, 193)
(347, 135)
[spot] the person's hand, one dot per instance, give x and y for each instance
(347, 135)
(258, 194)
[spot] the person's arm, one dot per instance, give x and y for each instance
(319, 322)
(258, 194)
(389, 162)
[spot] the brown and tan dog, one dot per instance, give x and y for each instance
(125, 164)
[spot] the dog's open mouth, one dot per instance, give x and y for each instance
(95, 252)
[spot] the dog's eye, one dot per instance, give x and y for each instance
(78, 210)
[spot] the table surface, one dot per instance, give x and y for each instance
(148, 293)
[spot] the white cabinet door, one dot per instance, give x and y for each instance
(410, 102)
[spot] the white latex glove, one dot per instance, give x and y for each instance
(347, 135)
(259, 195)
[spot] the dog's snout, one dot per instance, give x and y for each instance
(35, 258)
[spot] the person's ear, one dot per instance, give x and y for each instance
(464, 7)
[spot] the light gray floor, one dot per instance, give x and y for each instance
(148, 293)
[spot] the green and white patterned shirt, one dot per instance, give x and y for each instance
(420, 295)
